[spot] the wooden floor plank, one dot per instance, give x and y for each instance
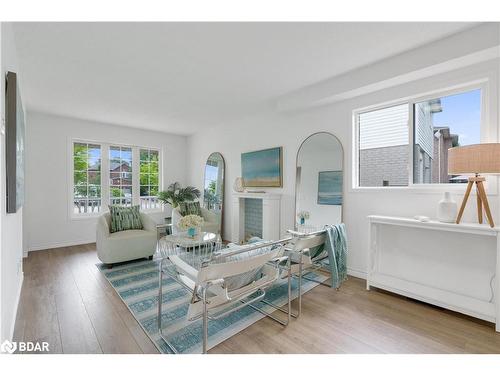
(66, 301)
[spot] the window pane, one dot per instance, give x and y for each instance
(383, 147)
(94, 164)
(94, 178)
(153, 179)
(153, 156)
(144, 191)
(115, 178)
(79, 157)
(86, 178)
(114, 152)
(80, 178)
(153, 167)
(126, 179)
(153, 191)
(144, 155)
(126, 154)
(120, 174)
(115, 192)
(440, 124)
(80, 191)
(145, 167)
(94, 191)
(144, 179)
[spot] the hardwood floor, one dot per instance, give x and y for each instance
(66, 301)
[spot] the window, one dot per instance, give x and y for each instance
(106, 174)
(86, 178)
(383, 147)
(120, 175)
(440, 124)
(149, 178)
(431, 126)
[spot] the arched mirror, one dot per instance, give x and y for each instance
(213, 195)
(319, 182)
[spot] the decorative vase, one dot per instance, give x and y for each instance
(191, 232)
(447, 209)
(302, 221)
(238, 185)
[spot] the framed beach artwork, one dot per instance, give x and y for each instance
(262, 168)
(330, 188)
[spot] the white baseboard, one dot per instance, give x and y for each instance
(60, 244)
(16, 307)
(356, 273)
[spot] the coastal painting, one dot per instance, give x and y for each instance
(330, 188)
(262, 168)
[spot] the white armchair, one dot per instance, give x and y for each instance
(125, 245)
(211, 221)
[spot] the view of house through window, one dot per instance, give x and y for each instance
(131, 176)
(120, 175)
(437, 125)
(440, 124)
(383, 147)
(86, 178)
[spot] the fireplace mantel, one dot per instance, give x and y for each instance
(271, 213)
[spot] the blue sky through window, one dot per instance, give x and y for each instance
(462, 114)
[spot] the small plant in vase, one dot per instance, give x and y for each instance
(190, 223)
(303, 216)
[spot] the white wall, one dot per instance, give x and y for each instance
(11, 233)
(290, 129)
(48, 223)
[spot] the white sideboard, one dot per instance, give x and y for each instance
(454, 266)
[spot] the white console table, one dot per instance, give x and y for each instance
(454, 266)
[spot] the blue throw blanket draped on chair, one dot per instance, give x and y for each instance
(336, 245)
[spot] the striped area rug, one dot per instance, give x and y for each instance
(137, 285)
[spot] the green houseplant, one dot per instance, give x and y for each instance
(176, 194)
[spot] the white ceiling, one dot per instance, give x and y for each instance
(181, 77)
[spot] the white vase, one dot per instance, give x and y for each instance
(447, 209)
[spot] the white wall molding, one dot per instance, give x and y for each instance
(16, 307)
(54, 245)
(457, 51)
(356, 273)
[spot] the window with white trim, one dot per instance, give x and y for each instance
(86, 178)
(120, 175)
(149, 178)
(407, 143)
(104, 174)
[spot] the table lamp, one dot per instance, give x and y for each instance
(477, 160)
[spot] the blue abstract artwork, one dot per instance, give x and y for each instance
(330, 188)
(262, 168)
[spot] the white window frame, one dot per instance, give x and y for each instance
(105, 187)
(486, 135)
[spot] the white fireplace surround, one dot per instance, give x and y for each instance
(271, 213)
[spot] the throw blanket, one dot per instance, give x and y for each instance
(336, 245)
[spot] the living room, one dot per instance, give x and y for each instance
(250, 187)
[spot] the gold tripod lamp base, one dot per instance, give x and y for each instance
(482, 201)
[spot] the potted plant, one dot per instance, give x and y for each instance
(176, 194)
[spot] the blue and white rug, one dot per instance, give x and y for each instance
(137, 285)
